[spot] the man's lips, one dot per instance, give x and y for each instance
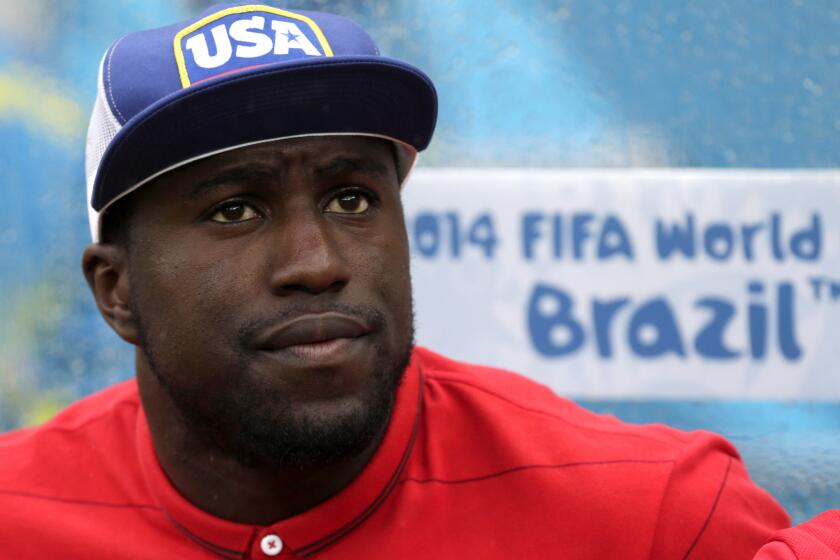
(312, 330)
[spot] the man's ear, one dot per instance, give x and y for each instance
(106, 271)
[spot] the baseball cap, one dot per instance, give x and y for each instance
(241, 74)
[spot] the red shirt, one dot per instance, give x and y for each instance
(475, 463)
(817, 539)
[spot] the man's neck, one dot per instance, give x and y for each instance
(221, 485)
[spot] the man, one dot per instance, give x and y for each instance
(244, 174)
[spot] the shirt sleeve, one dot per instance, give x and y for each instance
(775, 551)
(711, 509)
(817, 539)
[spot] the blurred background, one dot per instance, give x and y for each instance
(530, 83)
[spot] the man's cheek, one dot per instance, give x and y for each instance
(184, 303)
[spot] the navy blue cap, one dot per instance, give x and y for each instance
(240, 74)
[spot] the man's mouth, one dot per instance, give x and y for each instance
(314, 337)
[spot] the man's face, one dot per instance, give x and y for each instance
(271, 289)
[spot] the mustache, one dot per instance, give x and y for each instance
(250, 330)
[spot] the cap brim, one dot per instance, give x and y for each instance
(368, 95)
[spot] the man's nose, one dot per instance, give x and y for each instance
(307, 256)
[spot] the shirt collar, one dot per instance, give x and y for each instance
(316, 528)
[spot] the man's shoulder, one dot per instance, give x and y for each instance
(77, 479)
(817, 539)
(495, 438)
(525, 406)
(81, 439)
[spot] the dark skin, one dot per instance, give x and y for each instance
(276, 276)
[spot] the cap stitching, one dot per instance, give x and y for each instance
(110, 86)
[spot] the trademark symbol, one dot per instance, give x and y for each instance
(825, 289)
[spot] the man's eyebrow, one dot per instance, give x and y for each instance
(345, 165)
(243, 174)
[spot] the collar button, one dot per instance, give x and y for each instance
(271, 545)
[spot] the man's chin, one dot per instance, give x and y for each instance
(321, 418)
(311, 435)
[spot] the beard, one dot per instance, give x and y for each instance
(265, 429)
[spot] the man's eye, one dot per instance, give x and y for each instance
(349, 203)
(233, 212)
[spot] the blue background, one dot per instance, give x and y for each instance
(522, 83)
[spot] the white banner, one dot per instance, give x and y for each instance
(633, 283)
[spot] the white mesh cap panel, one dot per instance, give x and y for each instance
(102, 128)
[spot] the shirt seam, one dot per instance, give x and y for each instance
(520, 468)
(711, 511)
(676, 443)
(80, 502)
(659, 510)
(101, 416)
(218, 550)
